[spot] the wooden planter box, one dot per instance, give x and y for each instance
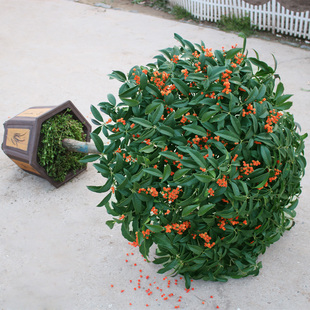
(22, 137)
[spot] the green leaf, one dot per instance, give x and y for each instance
(232, 52)
(198, 158)
(96, 113)
(129, 92)
(130, 102)
(153, 90)
(196, 129)
(180, 112)
(141, 121)
(89, 158)
(166, 173)
(105, 200)
(98, 142)
(189, 209)
(151, 107)
(153, 171)
(181, 86)
(156, 115)
(154, 228)
(102, 169)
(110, 223)
(205, 208)
(179, 38)
(118, 75)
(227, 135)
(266, 155)
(165, 130)
(112, 99)
(202, 177)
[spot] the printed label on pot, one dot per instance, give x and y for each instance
(25, 166)
(18, 138)
(33, 112)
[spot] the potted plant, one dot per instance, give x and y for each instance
(204, 161)
(33, 140)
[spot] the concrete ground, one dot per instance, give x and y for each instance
(55, 250)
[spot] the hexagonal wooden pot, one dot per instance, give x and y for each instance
(22, 137)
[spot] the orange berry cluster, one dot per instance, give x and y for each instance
(185, 72)
(150, 190)
(223, 181)
(248, 168)
(207, 240)
(272, 119)
(175, 59)
(211, 191)
(179, 228)
(250, 109)
(171, 194)
(146, 233)
(223, 222)
(155, 211)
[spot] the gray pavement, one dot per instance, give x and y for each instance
(55, 250)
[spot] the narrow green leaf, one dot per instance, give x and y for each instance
(205, 208)
(105, 200)
(154, 228)
(98, 142)
(181, 86)
(196, 129)
(189, 209)
(141, 121)
(227, 135)
(97, 115)
(130, 102)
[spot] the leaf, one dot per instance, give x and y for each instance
(154, 228)
(153, 171)
(118, 75)
(227, 135)
(198, 158)
(165, 130)
(110, 223)
(102, 169)
(156, 115)
(105, 200)
(166, 173)
(196, 129)
(232, 52)
(130, 102)
(180, 112)
(96, 113)
(202, 177)
(195, 249)
(266, 155)
(151, 107)
(189, 209)
(180, 39)
(181, 86)
(112, 99)
(205, 208)
(89, 158)
(129, 92)
(141, 121)
(98, 142)
(153, 90)
(170, 155)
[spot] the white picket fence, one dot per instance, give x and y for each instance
(271, 16)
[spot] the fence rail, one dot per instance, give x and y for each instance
(271, 16)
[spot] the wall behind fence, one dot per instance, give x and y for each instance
(271, 16)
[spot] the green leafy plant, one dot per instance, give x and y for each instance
(234, 23)
(52, 156)
(181, 13)
(203, 161)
